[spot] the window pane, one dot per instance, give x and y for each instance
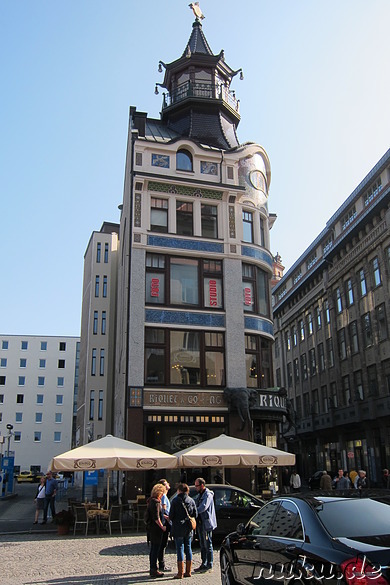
(159, 220)
(184, 282)
(209, 221)
(262, 292)
(185, 358)
(247, 221)
(251, 370)
(155, 366)
(184, 225)
(183, 160)
(215, 371)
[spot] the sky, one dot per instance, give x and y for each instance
(315, 95)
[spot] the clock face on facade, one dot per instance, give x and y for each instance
(257, 181)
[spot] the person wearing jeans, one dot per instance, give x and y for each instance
(207, 522)
(182, 508)
(50, 496)
(155, 528)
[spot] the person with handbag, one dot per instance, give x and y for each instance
(155, 527)
(40, 498)
(183, 515)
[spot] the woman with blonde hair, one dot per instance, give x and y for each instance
(155, 527)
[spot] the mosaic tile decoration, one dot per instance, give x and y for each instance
(258, 324)
(232, 222)
(208, 168)
(184, 190)
(184, 318)
(257, 254)
(160, 160)
(137, 210)
(178, 243)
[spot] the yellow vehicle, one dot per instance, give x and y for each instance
(26, 476)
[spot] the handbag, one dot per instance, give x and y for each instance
(190, 518)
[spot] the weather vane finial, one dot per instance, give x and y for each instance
(196, 10)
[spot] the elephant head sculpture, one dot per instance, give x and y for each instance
(241, 399)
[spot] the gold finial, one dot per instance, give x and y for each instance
(196, 10)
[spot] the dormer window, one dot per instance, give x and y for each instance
(184, 160)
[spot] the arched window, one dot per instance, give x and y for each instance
(184, 160)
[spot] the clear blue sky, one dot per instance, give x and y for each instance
(315, 95)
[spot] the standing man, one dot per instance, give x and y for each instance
(207, 522)
(166, 506)
(50, 496)
(341, 482)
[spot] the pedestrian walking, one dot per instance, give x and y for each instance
(207, 522)
(361, 481)
(325, 481)
(155, 527)
(295, 481)
(50, 496)
(40, 498)
(182, 509)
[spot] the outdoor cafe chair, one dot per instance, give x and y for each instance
(114, 517)
(80, 518)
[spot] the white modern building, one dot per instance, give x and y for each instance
(38, 379)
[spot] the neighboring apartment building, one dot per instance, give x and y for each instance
(332, 346)
(194, 333)
(98, 316)
(38, 377)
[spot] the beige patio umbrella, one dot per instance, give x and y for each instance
(225, 451)
(113, 454)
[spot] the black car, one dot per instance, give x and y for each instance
(324, 540)
(232, 506)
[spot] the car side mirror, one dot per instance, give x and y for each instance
(240, 529)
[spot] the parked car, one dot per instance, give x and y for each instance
(25, 476)
(309, 539)
(29, 476)
(232, 506)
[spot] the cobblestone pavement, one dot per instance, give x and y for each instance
(49, 559)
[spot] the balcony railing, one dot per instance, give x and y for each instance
(201, 90)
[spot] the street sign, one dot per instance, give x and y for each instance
(350, 454)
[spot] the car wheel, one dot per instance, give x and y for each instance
(226, 571)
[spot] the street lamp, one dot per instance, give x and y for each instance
(10, 433)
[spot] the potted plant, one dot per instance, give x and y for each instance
(64, 520)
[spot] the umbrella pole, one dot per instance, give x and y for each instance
(108, 489)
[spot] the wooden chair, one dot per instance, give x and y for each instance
(114, 517)
(80, 518)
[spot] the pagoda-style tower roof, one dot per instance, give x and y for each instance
(199, 102)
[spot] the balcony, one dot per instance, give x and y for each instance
(202, 91)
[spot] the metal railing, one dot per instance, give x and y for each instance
(201, 90)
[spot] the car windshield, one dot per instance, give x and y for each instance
(352, 518)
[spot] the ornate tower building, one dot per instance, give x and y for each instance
(194, 329)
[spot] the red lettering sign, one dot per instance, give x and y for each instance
(247, 296)
(213, 295)
(155, 287)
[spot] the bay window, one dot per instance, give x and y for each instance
(184, 358)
